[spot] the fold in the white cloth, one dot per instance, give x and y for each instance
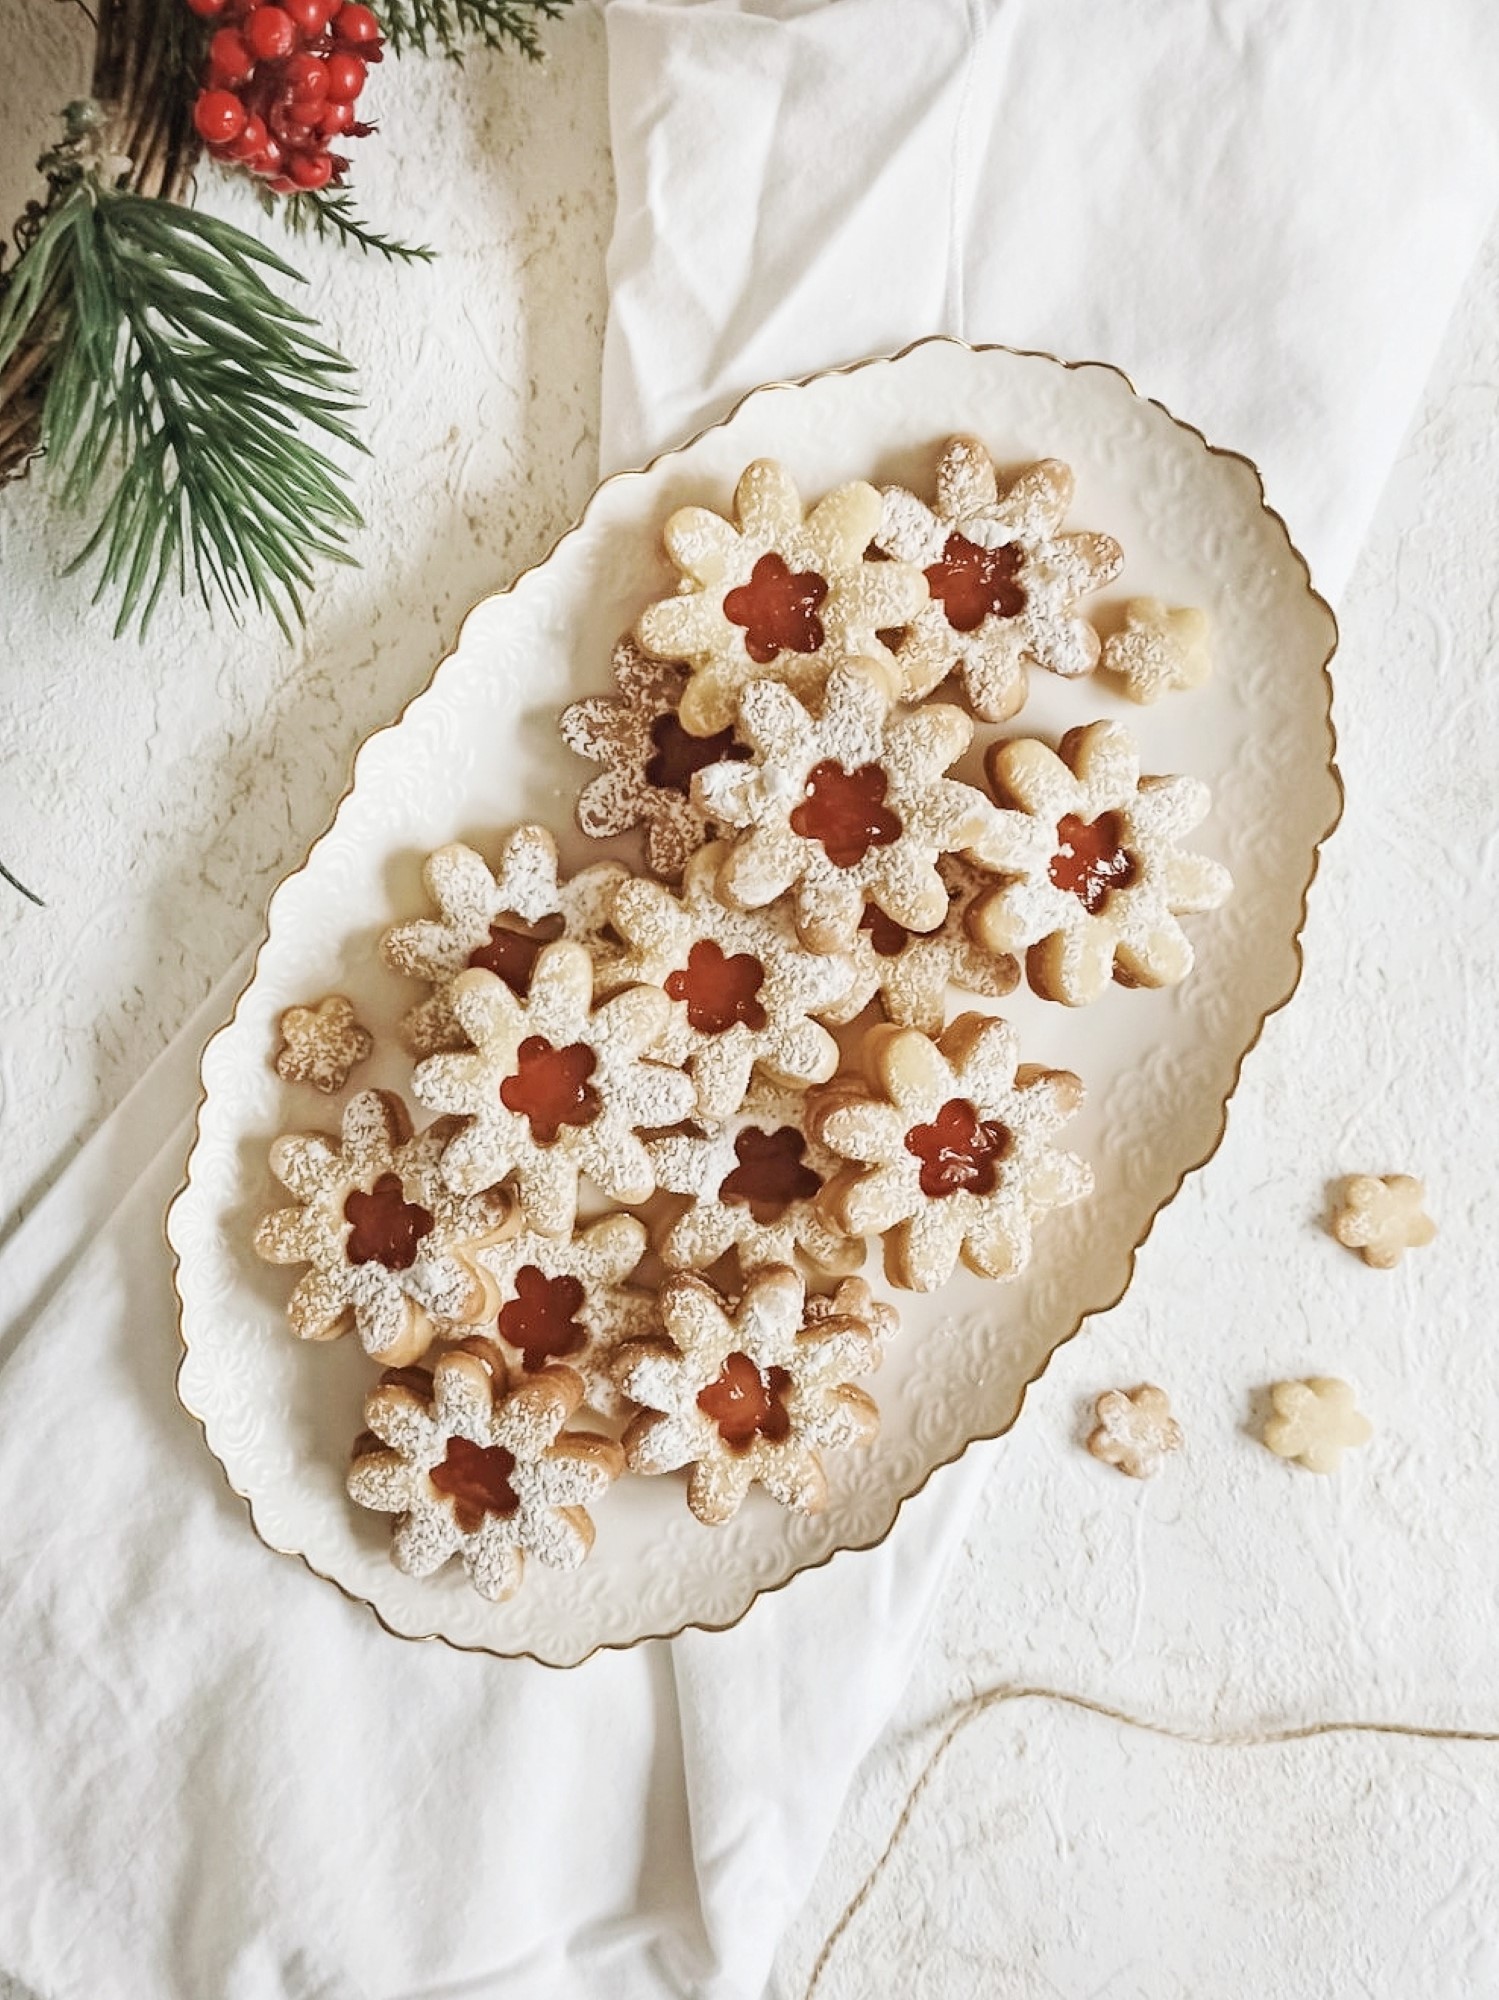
(216, 1775)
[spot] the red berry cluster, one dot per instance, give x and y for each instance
(280, 85)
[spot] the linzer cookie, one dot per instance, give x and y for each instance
(498, 919)
(747, 1392)
(949, 1150)
(744, 992)
(320, 1045)
(1003, 582)
(474, 1468)
(647, 758)
(750, 1184)
(393, 1249)
(554, 1087)
(774, 592)
(845, 805)
(1157, 649)
(911, 972)
(565, 1298)
(1095, 877)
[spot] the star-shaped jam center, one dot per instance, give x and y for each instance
(771, 1173)
(386, 1228)
(846, 811)
(972, 583)
(550, 1087)
(719, 991)
(746, 1404)
(540, 1320)
(959, 1150)
(476, 1477)
(1091, 859)
(510, 953)
(777, 609)
(676, 756)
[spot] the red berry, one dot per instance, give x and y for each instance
(207, 10)
(272, 157)
(356, 24)
(270, 33)
(251, 143)
(219, 117)
(335, 118)
(305, 76)
(228, 57)
(307, 110)
(281, 185)
(310, 17)
(311, 170)
(345, 78)
(290, 131)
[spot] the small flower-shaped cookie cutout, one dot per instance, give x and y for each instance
(1315, 1422)
(1135, 1430)
(950, 1152)
(910, 971)
(1157, 649)
(747, 1392)
(743, 990)
(1096, 878)
(321, 1044)
(648, 760)
(1382, 1216)
(393, 1249)
(846, 807)
(751, 1185)
(565, 1299)
(499, 920)
(1003, 584)
(477, 1469)
(554, 1087)
(775, 592)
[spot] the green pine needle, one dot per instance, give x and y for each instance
(30, 894)
(328, 214)
(443, 26)
(179, 386)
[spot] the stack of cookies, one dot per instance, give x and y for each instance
(668, 1110)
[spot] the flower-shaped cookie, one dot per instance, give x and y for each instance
(774, 593)
(564, 1298)
(1315, 1422)
(743, 990)
(911, 971)
(1096, 879)
(1003, 584)
(747, 1392)
(1381, 1216)
(648, 759)
(499, 920)
(750, 1185)
(321, 1044)
(478, 1470)
(392, 1247)
(1135, 1430)
(554, 1087)
(950, 1153)
(846, 807)
(1157, 649)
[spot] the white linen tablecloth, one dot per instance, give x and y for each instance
(217, 1776)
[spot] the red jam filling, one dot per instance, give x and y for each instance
(540, 1320)
(746, 1404)
(887, 936)
(551, 1088)
(511, 954)
(771, 1173)
(477, 1479)
(958, 1150)
(972, 584)
(1090, 860)
(777, 609)
(386, 1228)
(677, 755)
(846, 811)
(719, 991)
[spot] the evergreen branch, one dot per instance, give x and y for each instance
(443, 26)
(326, 214)
(30, 894)
(179, 374)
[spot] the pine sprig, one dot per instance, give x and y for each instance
(324, 214)
(180, 377)
(30, 894)
(442, 27)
